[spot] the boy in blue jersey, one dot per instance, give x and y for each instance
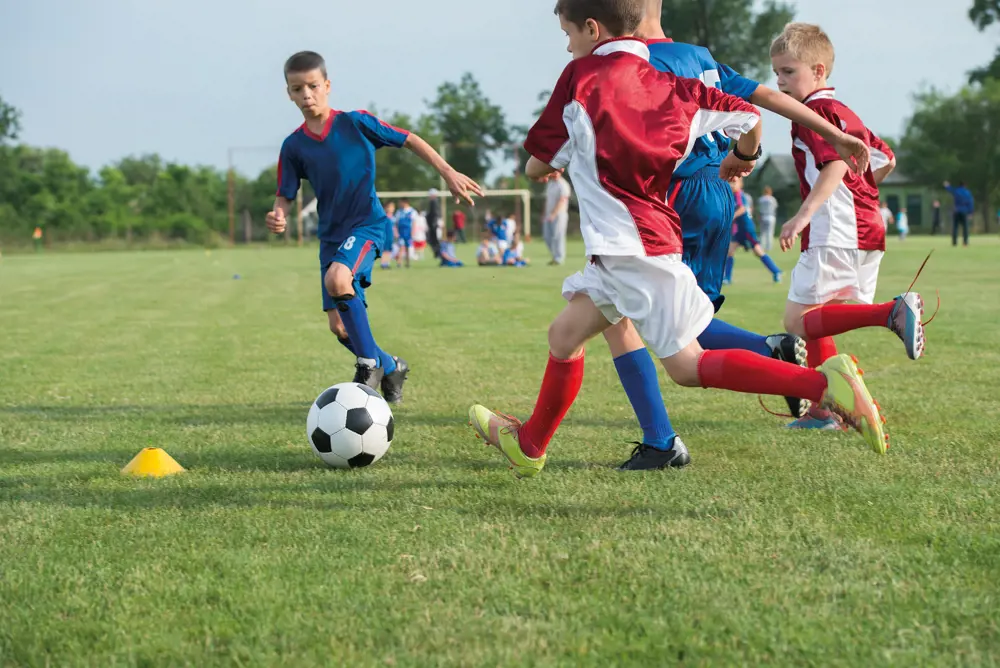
(335, 152)
(706, 207)
(745, 235)
(448, 256)
(390, 236)
(404, 230)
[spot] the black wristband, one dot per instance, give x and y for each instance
(748, 158)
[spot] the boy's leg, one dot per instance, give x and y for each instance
(836, 386)
(524, 445)
(337, 326)
(767, 261)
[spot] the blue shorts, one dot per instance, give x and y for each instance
(405, 237)
(706, 206)
(358, 252)
(745, 233)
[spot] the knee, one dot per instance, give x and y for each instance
(682, 371)
(563, 343)
(794, 325)
(339, 281)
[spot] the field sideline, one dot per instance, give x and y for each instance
(772, 548)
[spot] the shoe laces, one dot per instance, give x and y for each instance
(854, 421)
(512, 427)
(892, 316)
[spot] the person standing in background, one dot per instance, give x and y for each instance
(965, 206)
(767, 208)
(886, 213)
(36, 237)
(936, 217)
(458, 225)
(433, 218)
(557, 193)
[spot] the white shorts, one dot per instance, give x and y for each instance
(825, 274)
(502, 244)
(660, 295)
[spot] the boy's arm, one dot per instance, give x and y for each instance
(734, 117)
(885, 171)
(548, 143)
(830, 178)
(883, 159)
(460, 185)
(289, 176)
(851, 149)
(277, 217)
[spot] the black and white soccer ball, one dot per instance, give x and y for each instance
(350, 426)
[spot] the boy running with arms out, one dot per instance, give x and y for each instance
(843, 237)
(335, 152)
(619, 127)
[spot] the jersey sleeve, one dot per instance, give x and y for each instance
(289, 171)
(734, 83)
(378, 132)
(548, 139)
(821, 149)
(882, 155)
(717, 111)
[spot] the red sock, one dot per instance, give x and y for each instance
(833, 319)
(820, 350)
(744, 371)
(560, 386)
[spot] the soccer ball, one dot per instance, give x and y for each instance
(350, 426)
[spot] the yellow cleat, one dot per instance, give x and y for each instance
(500, 431)
(847, 396)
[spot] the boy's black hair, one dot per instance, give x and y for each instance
(305, 61)
(622, 17)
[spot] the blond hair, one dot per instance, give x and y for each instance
(806, 43)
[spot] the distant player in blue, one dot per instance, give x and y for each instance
(706, 207)
(390, 236)
(965, 206)
(745, 235)
(335, 152)
(404, 229)
(448, 256)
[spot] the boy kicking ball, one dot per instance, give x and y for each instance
(618, 126)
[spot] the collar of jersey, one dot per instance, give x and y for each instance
(660, 40)
(821, 93)
(326, 127)
(632, 45)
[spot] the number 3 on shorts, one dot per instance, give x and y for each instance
(348, 244)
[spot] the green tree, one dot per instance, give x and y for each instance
(470, 125)
(734, 31)
(985, 13)
(954, 137)
(10, 122)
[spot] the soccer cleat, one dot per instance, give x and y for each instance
(500, 431)
(647, 458)
(905, 321)
(792, 349)
(777, 276)
(368, 375)
(847, 396)
(392, 383)
(820, 422)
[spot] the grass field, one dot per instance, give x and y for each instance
(772, 548)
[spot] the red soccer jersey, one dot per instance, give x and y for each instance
(620, 127)
(850, 218)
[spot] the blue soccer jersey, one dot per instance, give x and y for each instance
(696, 62)
(340, 166)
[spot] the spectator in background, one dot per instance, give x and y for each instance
(886, 213)
(965, 206)
(936, 217)
(902, 224)
(767, 208)
(557, 194)
(36, 237)
(433, 219)
(458, 225)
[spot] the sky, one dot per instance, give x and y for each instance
(191, 79)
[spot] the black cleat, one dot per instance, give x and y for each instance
(790, 348)
(392, 383)
(647, 458)
(368, 375)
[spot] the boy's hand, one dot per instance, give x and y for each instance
(733, 168)
(545, 178)
(853, 151)
(791, 230)
(275, 220)
(461, 186)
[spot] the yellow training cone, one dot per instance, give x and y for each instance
(153, 462)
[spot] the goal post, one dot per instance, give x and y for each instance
(523, 195)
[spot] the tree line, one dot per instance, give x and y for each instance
(949, 136)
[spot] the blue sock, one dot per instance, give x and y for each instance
(638, 375)
(355, 317)
(727, 275)
(386, 361)
(720, 335)
(347, 344)
(769, 263)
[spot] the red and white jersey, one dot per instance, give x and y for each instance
(851, 217)
(619, 127)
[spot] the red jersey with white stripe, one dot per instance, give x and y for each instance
(619, 127)
(851, 217)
